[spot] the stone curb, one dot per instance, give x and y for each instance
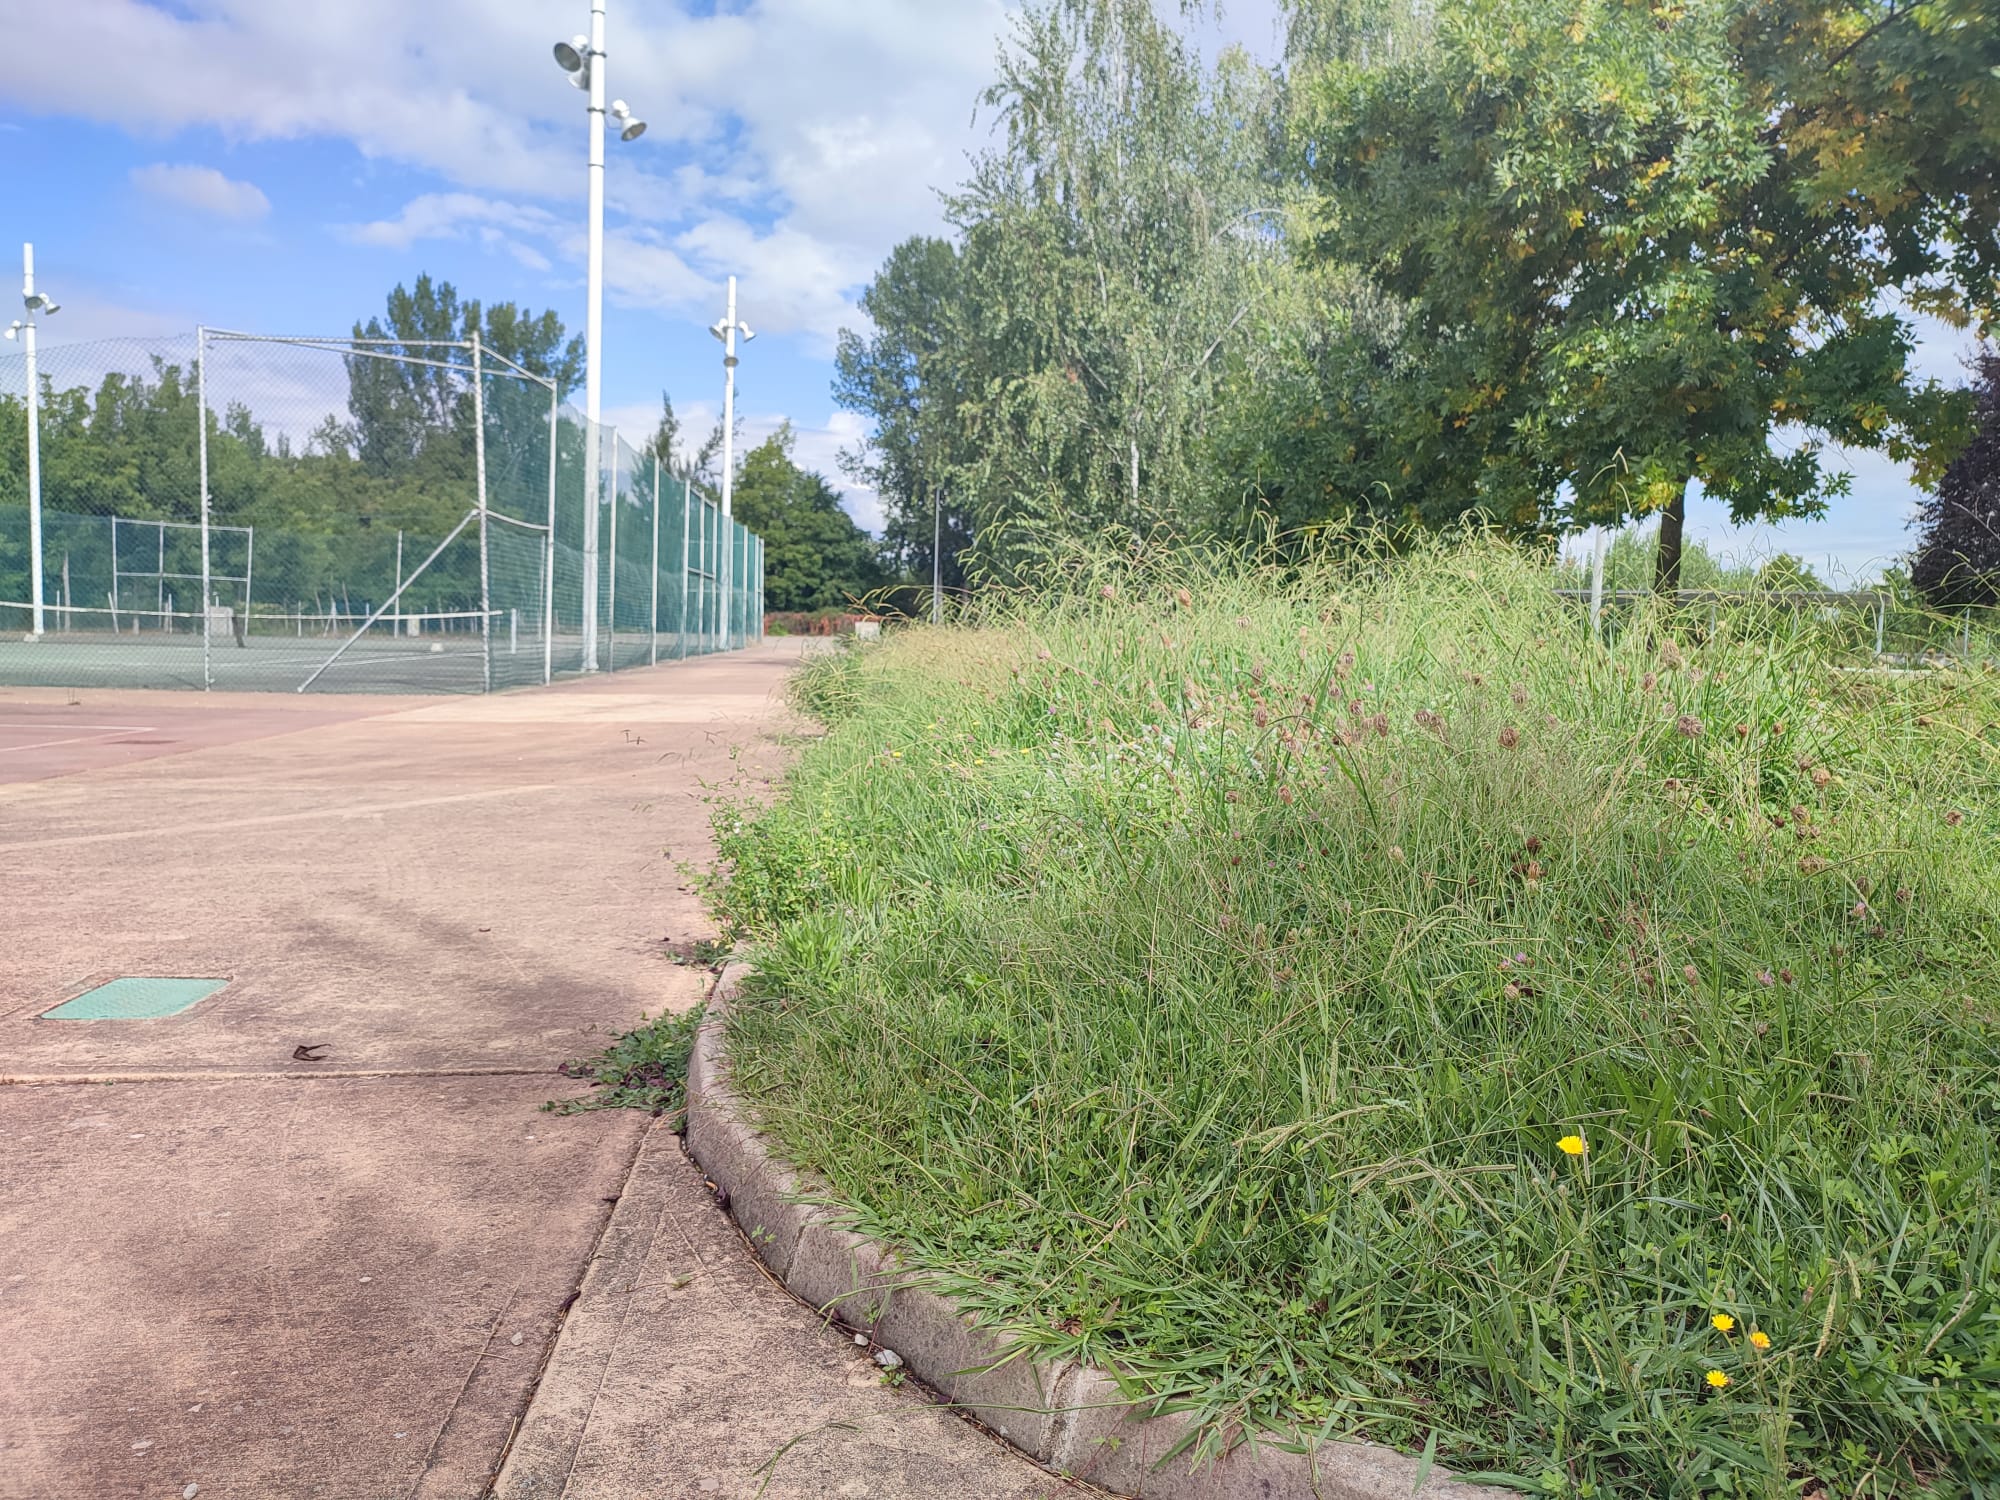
(1068, 1417)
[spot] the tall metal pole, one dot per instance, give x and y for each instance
(34, 439)
(937, 557)
(653, 610)
(728, 458)
(687, 587)
(201, 415)
(611, 580)
(593, 334)
(485, 570)
(549, 544)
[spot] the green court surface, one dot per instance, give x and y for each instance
(452, 663)
(135, 999)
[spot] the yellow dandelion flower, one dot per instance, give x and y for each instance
(1760, 1339)
(1571, 1145)
(897, 753)
(1723, 1322)
(1716, 1378)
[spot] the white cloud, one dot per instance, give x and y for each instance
(792, 142)
(450, 216)
(202, 188)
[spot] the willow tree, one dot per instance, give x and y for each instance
(1648, 244)
(1105, 262)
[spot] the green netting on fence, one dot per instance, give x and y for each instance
(380, 517)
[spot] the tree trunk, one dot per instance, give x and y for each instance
(1667, 569)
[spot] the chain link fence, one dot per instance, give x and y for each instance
(259, 513)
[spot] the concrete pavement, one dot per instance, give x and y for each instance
(268, 1277)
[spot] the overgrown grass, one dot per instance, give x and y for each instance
(1205, 974)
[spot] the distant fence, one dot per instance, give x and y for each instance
(228, 510)
(1874, 620)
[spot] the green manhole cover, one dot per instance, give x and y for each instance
(135, 1000)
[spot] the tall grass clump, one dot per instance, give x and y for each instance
(1354, 1002)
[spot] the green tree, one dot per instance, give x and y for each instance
(815, 557)
(403, 408)
(1056, 375)
(1643, 245)
(1788, 571)
(697, 465)
(907, 376)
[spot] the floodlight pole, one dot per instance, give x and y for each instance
(35, 583)
(593, 335)
(728, 328)
(207, 583)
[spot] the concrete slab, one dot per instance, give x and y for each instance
(285, 1290)
(686, 1372)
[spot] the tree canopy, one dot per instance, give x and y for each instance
(1645, 245)
(815, 557)
(1550, 264)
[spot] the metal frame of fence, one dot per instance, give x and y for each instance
(539, 513)
(1888, 622)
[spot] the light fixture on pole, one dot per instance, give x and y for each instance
(726, 330)
(582, 58)
(24, 330)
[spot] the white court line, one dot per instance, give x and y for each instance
(77, 739)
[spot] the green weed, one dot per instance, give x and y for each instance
(646, 1068)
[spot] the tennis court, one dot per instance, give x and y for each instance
(449, 661)
(234, 511)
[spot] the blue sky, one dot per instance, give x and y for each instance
(278, 167)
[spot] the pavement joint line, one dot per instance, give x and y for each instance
(240, 1075)
(1094, 1432)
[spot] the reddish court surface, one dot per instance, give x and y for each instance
(270, 1277)
(48, 732)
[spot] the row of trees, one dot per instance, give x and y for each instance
(1553, 263)
(385, 448)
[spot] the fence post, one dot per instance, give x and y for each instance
(479, 466)
(1597, 585)
(653, 613)
(549, 545)
(687, 525)
(593, 462)
(201, 416)
(611, 581)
